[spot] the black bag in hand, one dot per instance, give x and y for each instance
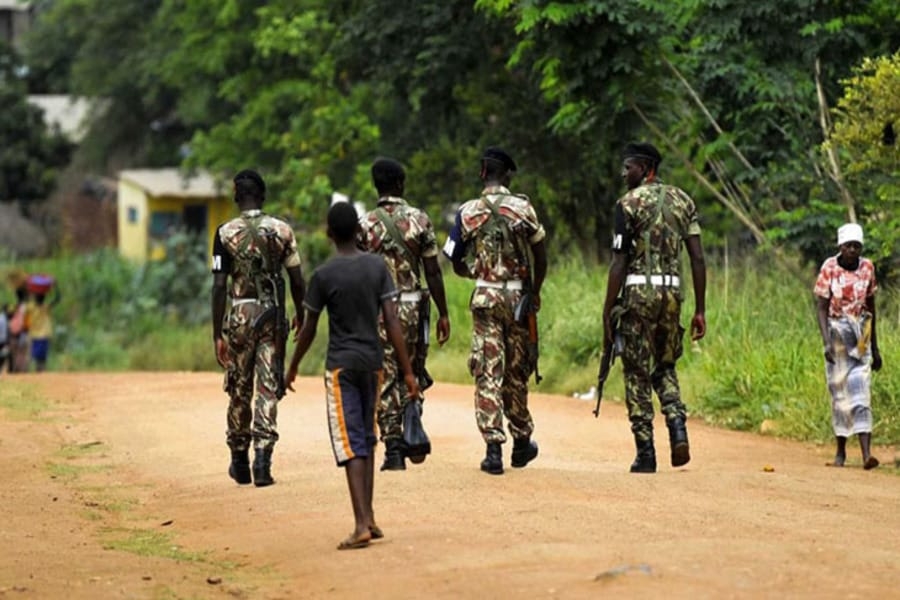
(414, 437)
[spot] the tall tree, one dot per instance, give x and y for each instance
(104, 50)
(866, 124)
(30, 153)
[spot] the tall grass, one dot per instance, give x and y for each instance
(759, 362)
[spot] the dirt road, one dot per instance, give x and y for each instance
(119, 490)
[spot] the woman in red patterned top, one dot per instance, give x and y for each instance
(845, 300)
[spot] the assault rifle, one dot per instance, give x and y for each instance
(610, 351)
(422, 375)
(274, 280)
(526, 314)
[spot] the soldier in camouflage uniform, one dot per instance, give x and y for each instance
(497, 240)
(252, 249)
(404, 236)
(652, 221)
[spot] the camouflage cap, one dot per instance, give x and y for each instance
(643, 151)
(497, 154)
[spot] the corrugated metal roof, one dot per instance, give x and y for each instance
(174, 183)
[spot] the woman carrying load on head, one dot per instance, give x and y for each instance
(845, 302)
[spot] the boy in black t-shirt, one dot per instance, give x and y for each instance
(353, 286)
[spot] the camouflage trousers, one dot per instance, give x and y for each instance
(251, 355)
(653, 336)
(394, 396)
(498, 361)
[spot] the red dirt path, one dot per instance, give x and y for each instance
(144, 452)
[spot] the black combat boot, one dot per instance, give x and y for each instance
(239, 470)
(493, 459)
(678, 442)
(262, 467)
(524, 451)
(394, 459)
(645, 461)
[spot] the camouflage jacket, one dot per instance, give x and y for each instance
(493, 257)
(653, 220)
(245, 256)
(418, 235)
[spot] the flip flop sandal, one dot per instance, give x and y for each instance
(352, 543)
(376, 532)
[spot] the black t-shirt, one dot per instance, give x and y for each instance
(352, 288)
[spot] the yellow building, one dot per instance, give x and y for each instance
(155, 203)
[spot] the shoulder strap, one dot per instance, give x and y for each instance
(508, 231)
(395, 234)
(657, 216)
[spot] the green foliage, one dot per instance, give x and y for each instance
(867, 120)
(31, 155)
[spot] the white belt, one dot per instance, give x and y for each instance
(239, 301)
(512, 284)
(411, 296)
(661, 280)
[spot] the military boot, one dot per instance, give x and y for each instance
(262, 467)
(394, 459)
(645, 461)
(493, 459)
(524, 451)
(678, 442)
(239, 470)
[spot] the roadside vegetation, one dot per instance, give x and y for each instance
(759, 366)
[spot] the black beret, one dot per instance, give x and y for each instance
(387, 169)
(494, 153)
(251, 175)
(642, 150)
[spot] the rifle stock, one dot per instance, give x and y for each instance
(533, 346)
(526, 314)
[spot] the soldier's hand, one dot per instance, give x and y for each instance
(698, 327)
(289, 378)
(443, 330)
(607, 331)
(221, 353)
(412, 385)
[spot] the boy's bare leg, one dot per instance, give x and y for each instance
(356, 469)
(374, 529)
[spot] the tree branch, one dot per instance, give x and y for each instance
(741, 215)
(836, 175)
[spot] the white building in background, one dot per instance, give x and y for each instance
(15, 20)
(68, 113)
